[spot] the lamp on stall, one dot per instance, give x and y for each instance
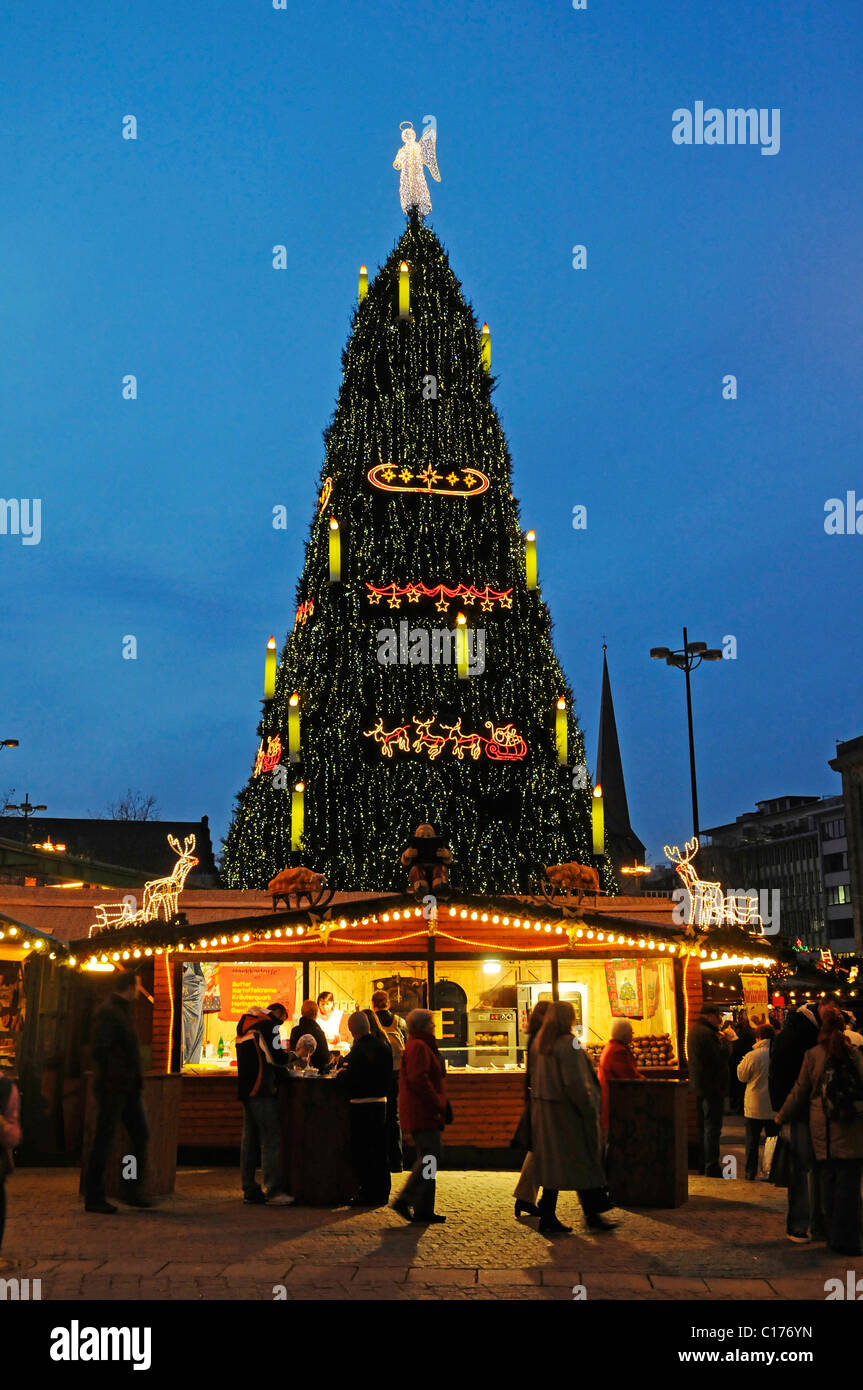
(598, 821)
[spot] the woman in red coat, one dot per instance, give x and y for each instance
(423, 1114)
(617, 1063)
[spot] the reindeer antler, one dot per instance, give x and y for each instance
(175, 844)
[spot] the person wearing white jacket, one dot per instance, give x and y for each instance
(757, 1109)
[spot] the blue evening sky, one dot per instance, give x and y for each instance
(259, 126)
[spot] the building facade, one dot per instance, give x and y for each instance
(796, 846)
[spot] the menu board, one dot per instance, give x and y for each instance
(242, 986)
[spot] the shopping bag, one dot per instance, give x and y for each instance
(780, 1167)
(769, 1150)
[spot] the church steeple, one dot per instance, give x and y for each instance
(622, 843)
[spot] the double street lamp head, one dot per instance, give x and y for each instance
(9, 743)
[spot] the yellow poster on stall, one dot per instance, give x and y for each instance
(755, 999)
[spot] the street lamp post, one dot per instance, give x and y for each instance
(691, 656)
(25, 809)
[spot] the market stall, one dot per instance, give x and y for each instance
(479, 963)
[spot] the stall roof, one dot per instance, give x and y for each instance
(461, 919)
(17, 940)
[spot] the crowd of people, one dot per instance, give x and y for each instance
(801, 1088)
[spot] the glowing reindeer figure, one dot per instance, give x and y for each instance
(708, 905)
(161, 894)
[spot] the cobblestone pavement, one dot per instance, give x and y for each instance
(727, 1242)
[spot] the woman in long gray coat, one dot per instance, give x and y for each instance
(566, 1108)
(838, 1141)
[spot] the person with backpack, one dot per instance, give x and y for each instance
(830, 1087)
(261, 1058)
(10, 1138)
(391, 1028)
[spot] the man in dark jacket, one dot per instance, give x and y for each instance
(117, 1086)
(708, 1053)
(308, 1024)
(799, 1033)
(396, 1038)
(365, 1080)
(261, 1052)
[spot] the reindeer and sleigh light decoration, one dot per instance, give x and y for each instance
(161, 895)
(705, 902)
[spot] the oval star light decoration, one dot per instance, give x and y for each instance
(464, 482)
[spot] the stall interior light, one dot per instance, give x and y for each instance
(490, 967)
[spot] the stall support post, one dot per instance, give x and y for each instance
(307, 983)
(177, 1030)
(431, 965)
(555, 979)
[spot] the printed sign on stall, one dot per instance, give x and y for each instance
(755, 999)
(242, 986)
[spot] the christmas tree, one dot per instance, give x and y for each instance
(419, 682)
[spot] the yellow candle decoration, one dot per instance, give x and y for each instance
(294, 728)
(270, 670)
(461, 646)
(404, 291)
(364, 283)
(598, 821)
(561, 733)
(485, 347)
(335, 552)
(530, 559)
(298, 812)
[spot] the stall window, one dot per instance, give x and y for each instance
(11, 1012)
(352, 984)
(483, 1007)
(638, 988)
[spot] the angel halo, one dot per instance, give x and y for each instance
(414, 154)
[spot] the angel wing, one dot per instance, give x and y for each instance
(429, 152)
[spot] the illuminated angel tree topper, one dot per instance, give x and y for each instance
(417, 477)
(413, 155)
